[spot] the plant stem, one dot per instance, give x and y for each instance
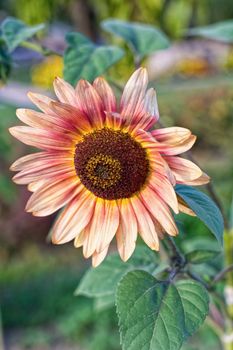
(198, 279)
(175, 250)
(222, 274)
(36, 47)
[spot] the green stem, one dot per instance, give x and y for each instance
(37, 48)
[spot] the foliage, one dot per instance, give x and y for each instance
(205, 209)
(142, 39)
(13, 33)
(161, 300)
(84, 59)
(222, 31)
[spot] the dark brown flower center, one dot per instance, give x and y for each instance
(111, 164)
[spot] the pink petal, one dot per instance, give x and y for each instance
(74, 218)
(44, 121)
(93, 229)
(183, 169)
(44, 139)
(159, 210)
(42, 102)
(91, 103)
(114, 120)
(64, 91)
(146, 226)
(52, 172)
(110, 225)
(176, 148)
(97, 258)
(202, 180)
(163, 187)
(171, 135)
(127, 231)
(151, 104)
(77, 119)
(53, 196)
(184, 208)
(41, 159)
(106, 94)
(173, 145)
(133, 95)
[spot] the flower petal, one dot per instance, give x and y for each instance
(163, 187)
(176, 148)
(110, 225)
(146, 226)
(53, 172)
(97, 258)
(41, 159)
(44, 139)
(93, 229)
(44, 121)
(202, 180)
(114, 120)
(77, 119)
(183, 169)
(133, 95)
(159, 210)
(91, 103)
(151, 104)
(171, 135)
(127, 231)
(53, 196)
(74, 218)
(106, 94)
(42, 102)
(173, 145)
(184, 208)
(64, 91)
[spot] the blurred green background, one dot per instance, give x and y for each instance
(195, 90)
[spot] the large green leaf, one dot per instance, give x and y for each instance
(157, 314)
(195, 302)
(143, 39)
(205, 209)
(14, 32)
(102, 281)
(222, 31)
(84, 59)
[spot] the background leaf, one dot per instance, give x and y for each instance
(14, 32)
(157, 314)
(200, 256)
(84, 59)
(205, 209)
(102, 281)
(143, 39)
(222, 31)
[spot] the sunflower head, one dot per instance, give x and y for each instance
(106, 163)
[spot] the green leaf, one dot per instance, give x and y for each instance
(199, 256)
(84, 59)
(5, 64)
(195, 302)
(222, 31)
(205, 209)
(102, 281)
(143, 39)
(14, 32)
(157, 314)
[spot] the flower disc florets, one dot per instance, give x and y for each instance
(111, 164)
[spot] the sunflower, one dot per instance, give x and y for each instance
(105, 164)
